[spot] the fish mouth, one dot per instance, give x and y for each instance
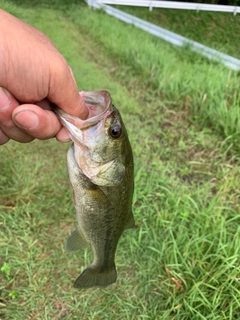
(99, 104)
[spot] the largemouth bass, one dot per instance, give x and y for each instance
(100, 166)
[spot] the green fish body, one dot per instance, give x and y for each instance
(100, 166)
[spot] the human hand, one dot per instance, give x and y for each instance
(33, 76)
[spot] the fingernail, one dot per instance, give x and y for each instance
(26, 119)
(4, 100)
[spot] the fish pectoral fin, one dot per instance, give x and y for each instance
(75, 242)
(130, 223)
(92, 277)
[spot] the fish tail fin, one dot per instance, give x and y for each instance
(92, 277)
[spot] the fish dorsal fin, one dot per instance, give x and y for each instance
(130, 223)
(75, 242)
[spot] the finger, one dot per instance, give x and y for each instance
(8, 128)
(45, 104)
(63, 135)
(22, 125)
(3, 138)
(64, 93)
(36, 122)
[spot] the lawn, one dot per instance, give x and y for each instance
(182, 115)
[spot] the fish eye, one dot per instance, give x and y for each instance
(115, 131)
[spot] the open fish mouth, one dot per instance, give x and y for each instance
(99, 106)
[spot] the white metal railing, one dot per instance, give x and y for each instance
(174, 5)
(168, 36)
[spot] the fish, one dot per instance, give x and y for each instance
(101, 172)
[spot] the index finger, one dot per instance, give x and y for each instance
(64, 93)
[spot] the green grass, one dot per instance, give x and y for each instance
(174, 76)
(218, 30)
(182, 261)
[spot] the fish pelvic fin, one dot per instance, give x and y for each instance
(75, 242)
(92, 277)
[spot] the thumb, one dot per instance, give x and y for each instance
(64, 93)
